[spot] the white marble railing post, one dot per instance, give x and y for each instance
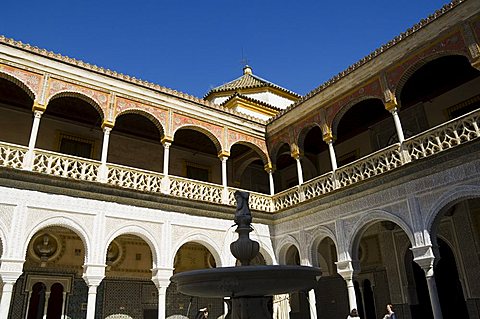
(10, 270)
(424, 257)
(345, 269)
(223, 156)
(103, 170)
(38, 110)
(161, 279)
(165, 185)
(93, 275)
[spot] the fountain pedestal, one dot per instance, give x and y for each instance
(249, 287)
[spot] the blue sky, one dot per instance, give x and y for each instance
(194, 45)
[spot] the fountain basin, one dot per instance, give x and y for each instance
(246, 281)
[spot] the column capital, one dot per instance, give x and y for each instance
(328, 137)
(424, 257)
(296, 153)
(11, 269)
(161, 276)
(269, 167)
(391, 105)
(167, 139)
(38, 107)
(347, 268)
(93, 274)
(107, 125)
(223, 154)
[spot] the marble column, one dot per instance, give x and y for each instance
(165, 184)
(223, 158)
(425, 258)
(93, 276)
(29, 155)
(10, 270)
(270, 168)
(103, 170)
(161, 279)
(346, 270)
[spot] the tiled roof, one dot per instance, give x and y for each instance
(247, 98)
(248, 81)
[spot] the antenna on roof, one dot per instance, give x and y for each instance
(244, 60)
(246, 68)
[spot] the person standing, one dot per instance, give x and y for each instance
(202, 314)
(390, 313)
(353, 314)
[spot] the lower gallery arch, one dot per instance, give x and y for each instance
(191, 256)
(51, 285)
(331, 292)
(455, 234)
(127, 289)
(378, 278)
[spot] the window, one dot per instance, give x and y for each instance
(347, 158)
(197, 172)
(463, 107)
(75, 146)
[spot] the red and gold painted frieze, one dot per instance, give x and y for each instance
(57, 86)
(236, 136)
(123, 105)
(180, 120)
(372, 89)
(453, 44)
(276, 141)
(305, 123)
(32, 81)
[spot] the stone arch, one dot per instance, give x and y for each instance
(369, 218)
(146, 114)
(335, 118)
(79, 95)
(66, 222)
(284, 245)
(274, 151)
(264, 157)
(17, 81)
(321, 233)
(300, 138)
(448, 199)
(136, 230)
(202, 130)
(407, 74)
(199, 239)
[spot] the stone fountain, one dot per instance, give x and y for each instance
(249, 287)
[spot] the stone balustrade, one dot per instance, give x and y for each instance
(440, 138)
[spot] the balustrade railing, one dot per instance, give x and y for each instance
(56, 164)
(444, 136)
(203, 191)
(134, 178)
(430, 142)
(371, 165)
(12, 155)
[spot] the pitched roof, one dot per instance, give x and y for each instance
(247, 81)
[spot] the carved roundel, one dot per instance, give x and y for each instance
(45, 247)
(114, 253)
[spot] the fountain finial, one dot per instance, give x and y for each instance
(244, 249)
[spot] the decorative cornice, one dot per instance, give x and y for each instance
(402, 36)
